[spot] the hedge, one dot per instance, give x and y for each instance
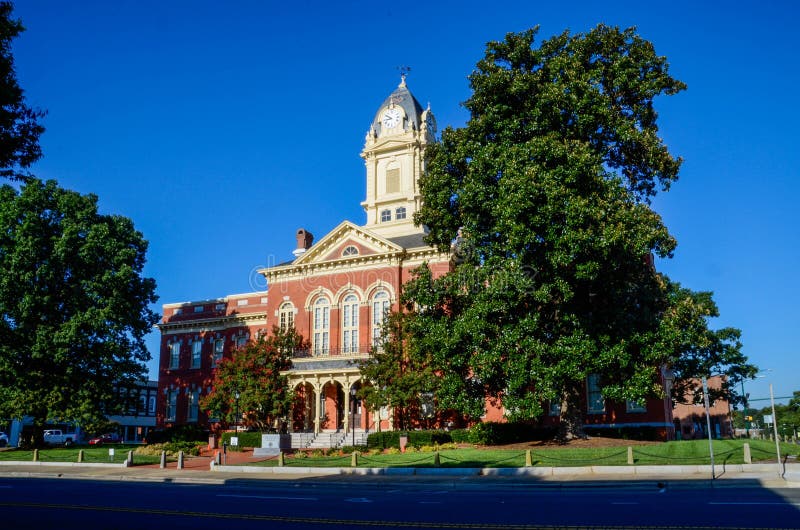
(246, 439)
(387, 439)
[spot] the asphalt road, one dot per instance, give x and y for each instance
(81, 504)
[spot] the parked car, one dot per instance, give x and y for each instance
(3, 439)
(58, 437)
(109, 438)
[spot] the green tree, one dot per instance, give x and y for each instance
(73, 305)
(544, 196)
(700, 351)
(254, 371)
(401, 372)
(19, 124)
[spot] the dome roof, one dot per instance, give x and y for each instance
(401, 97)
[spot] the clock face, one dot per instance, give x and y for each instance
(391, 118)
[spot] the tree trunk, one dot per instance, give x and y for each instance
(570, 426)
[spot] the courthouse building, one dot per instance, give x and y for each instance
(335, 292)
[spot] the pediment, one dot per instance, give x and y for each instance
(332, 246)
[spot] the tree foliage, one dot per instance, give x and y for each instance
(19, 124)
(254, 372)
(73, 305)
(544, 196)
(401, 372)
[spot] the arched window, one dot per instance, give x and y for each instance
(321, 326)
(380, 307)
(386, 216)
(350, 324)
(350, 251)
(400, 213)
(286, 316)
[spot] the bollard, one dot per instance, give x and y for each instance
(35, 455)
(80, 456)
(354, 459)
(163, 463)
(281, 462)
(630, 455)
(747, 458)
(436, 462)
(130, 458)
(180, 459)
(528, 459)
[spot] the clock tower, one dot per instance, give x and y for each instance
(393, 154)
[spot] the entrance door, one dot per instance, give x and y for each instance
(356, 413)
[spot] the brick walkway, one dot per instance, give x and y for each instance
(203, 462)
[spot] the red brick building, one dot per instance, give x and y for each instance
(336, 292)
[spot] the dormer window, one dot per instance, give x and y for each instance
(400, 213)
(386, 216)
(350, 251)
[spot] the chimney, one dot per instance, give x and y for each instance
(304, 241)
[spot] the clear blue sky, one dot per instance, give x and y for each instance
(221, 128)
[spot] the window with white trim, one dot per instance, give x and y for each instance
(595, 404)
(192, 405)
(321, 326)
(400, 213)
(350, 324)
(350, 250)
(172, 405)
(380, 308)
(151, 405)
(174, 355)
(241, 341)
(286, 316)
(197, 351)
(219, 350)
(386, 216)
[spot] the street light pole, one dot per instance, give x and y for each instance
(775, 430)
(708, 426)
(744, 414)
(236, 417)
(353, 413)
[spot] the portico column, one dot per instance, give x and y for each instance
(347, 407)
(317, 407)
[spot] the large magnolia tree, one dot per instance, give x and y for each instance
(74, 306)
(544, 198)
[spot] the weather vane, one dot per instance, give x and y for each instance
(404, 70)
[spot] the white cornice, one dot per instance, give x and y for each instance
(227, 321)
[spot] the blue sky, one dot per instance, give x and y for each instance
(221, 128)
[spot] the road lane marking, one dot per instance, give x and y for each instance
(271, 497)
(757, 503)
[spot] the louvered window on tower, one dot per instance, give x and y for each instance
(393, 180)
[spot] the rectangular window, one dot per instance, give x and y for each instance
(242, 302)
(241, 341)
(219, 349)
(633, 406)
(219, 307)
(174, 355)
(198, 309)
(151, 405)
(554, 409)
(197, 349)
(142, 405)
(595, 404)
(172, 405)
(192, 405)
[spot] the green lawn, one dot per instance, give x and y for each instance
(668, 453)
(70, 454)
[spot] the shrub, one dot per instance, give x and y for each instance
(172, 449)
(460, 436)
(178, 433)
(387, 439)
(246, 439)
(491, 433)
(626, 433)
(393, 451)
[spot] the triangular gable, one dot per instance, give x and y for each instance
(330, 247)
